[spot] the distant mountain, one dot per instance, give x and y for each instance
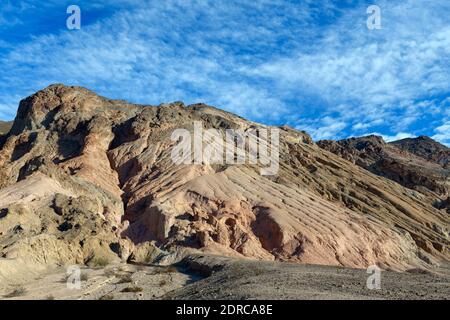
(419, 163)
(426, 148)
(4, 127)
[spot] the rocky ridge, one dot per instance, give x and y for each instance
(426, 148)
(420, 164)
(89, 180)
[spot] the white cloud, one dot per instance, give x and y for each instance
(398, 136)
(323, 128)
(160, 51)
(365, 125)
(377, 71)
(442, 133)
(268, 60)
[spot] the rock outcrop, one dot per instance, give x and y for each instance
(85, 179)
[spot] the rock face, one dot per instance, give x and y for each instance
(420, 164)
(85, 179)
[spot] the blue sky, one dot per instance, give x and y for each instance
(313, 65)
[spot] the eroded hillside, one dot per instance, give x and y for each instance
(85, 179)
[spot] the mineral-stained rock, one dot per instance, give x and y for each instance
(99, 184)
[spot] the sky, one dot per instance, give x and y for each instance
(313, 65)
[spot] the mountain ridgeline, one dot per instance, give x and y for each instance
(85, 179)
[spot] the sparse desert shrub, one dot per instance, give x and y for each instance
(132, 289)
(17, 292)
(254, 270)
(126, 278)
(100, 262)
(168, 269)
(162, 283)
(50, 297)
(110, 272)
(418, 271)
(84, 276)
(107, 297)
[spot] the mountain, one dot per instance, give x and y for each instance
(4, 127)
(426, 148)
(89, 180)
(420, 164)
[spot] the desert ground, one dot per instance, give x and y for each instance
(199, 277)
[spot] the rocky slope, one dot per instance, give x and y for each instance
(420, 163)
(426, 148)
(85, 179)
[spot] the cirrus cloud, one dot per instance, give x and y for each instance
(312, 64)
